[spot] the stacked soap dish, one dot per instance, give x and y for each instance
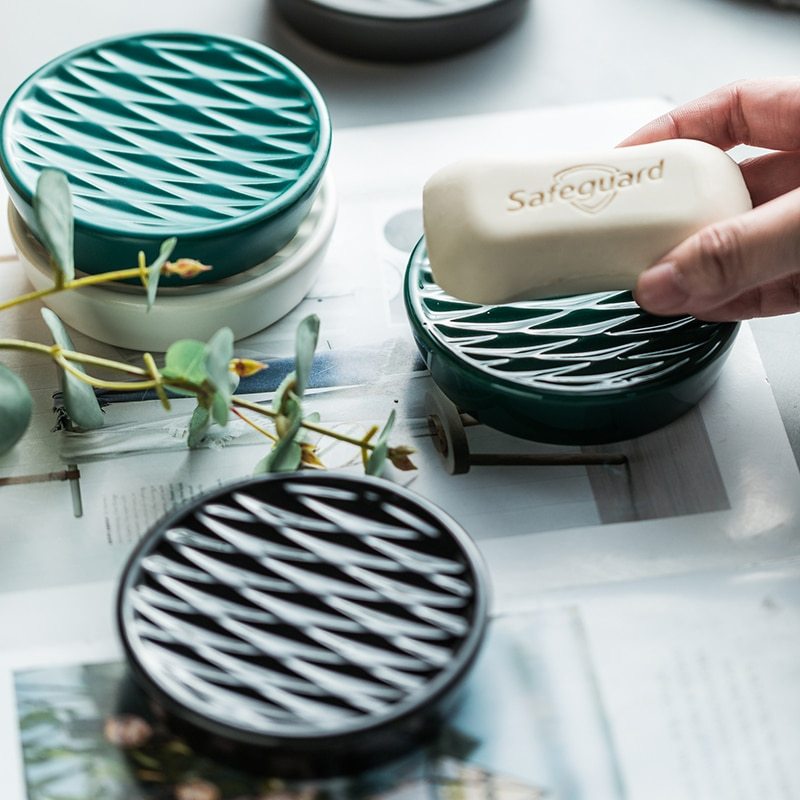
(305, 625)
(217, 141)
(246, 302)
(577, 370)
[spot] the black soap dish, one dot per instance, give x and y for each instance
(401, 30)
(304, 625)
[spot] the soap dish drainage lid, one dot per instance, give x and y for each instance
(218, 141)
(401, 30)
(584, 369)
(308, 624)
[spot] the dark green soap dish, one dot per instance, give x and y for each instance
(216, 140)
(584, 369)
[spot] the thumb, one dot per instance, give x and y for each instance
(720, 262)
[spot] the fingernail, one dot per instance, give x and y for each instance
(659, 289)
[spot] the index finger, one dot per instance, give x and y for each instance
(763, 113)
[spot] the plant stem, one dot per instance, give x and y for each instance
(309, 426)
(96, 361)
(336, 435)
(262, 431)
(117, 386)
(64, 357)
(31, 347)
(71, 355)
(367, 436)
(267, 412)
(152, 371)
(88, 280)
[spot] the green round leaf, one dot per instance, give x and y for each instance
(305, 345)
(377, 460)
(16, 407)
(186, 361)
(220, 409)
(287, 454)
(282, 394)
(79, 398)
(198, 426)
(154, 270)
(219, 352)
(286, 460)
(52, 204)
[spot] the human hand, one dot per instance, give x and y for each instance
(749, 265)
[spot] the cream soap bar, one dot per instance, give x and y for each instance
(505, 230)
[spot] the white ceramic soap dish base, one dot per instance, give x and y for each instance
(246, 303)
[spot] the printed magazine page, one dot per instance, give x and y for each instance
(645, 615)
(724, 469)
(684, 686)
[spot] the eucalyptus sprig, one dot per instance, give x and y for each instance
(207, 371)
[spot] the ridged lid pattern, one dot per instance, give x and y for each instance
(302, 606)
(168, 132)
(579, 344)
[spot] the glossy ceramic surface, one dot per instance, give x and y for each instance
(246, 302)
(401, 30)
(574, 370)
(216, 140)
(314, 621)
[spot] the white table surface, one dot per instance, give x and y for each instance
(564, 51)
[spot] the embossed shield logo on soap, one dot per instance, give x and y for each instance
(588, 187)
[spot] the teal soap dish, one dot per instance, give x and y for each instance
(218, 141)
(584, 369)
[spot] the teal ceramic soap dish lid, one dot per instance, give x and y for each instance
(585, 369)
(216, 140)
